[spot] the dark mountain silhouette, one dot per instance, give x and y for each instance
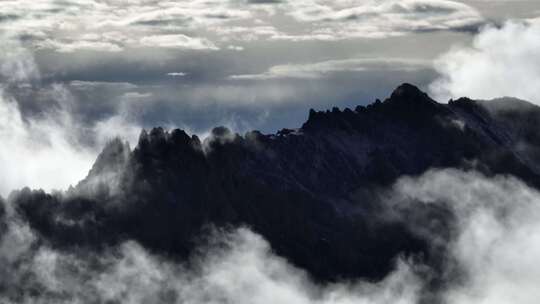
(311, 192)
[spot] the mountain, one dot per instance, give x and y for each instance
(312, 192)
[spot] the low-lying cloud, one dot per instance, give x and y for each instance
(496, 238)
(233, 267)
(494, 243)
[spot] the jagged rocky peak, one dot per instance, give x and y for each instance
(115, 152)
(408, 93)
(155, 135)
(407, 101)
(181, 136)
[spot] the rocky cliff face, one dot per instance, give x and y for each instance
(310, 191)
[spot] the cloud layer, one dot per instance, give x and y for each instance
(493, 242)
(236, 266)
(112, 26)
(345, 19)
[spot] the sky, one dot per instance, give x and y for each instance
(75, 73)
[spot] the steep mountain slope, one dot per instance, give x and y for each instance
(311, 192)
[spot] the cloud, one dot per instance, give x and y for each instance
(378, 19)
(179, 41)
(93, 85)
(249, 33)
(176, 74)
(16, 63)
(232, 267)
(114, 26)
(53, 142)
(70, 46)
(34, 149)
(136, 96)
(495, 240)
(321, 69)
(501, 62)
(235, 48)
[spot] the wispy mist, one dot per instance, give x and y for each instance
(51, 149)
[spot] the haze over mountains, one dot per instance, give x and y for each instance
(384, 193)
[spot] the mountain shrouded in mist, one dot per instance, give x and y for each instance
(317, 194)
(264, 152)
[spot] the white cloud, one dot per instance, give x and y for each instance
(497, 238)
(38, 147)
(120, 125)
(35, 149)
(113, 26)
(241, 269)
(92, 85)
(320, 69)
(130, 96)
(176, 74)
(501, 62)
(495, 243)
(235, 48)
(179, 41)
(344, 19)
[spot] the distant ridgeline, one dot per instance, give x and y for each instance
(312, 192)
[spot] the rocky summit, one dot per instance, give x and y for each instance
(312, 192)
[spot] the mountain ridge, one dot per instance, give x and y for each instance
(311, 192)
